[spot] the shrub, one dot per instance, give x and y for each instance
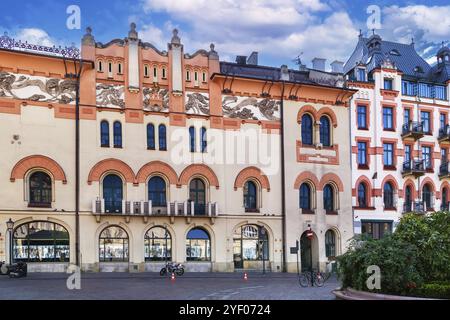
(434, 290)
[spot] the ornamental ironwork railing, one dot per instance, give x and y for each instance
(9, 43)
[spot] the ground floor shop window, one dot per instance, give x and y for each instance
(41, 242)
(198, 245)
(251, 243)
(113, 245)
(158, 245)
(376, 229)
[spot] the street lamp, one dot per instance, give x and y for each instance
(10, 227)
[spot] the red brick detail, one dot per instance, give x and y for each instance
(445, 184)
(328, 112)
(309, 158)
(134, 116)
(306, 109)
(306, 176)
(38, 161)
(331, 177)
(111, 165)
(393, 181)
(156, 167)
(200, 169)
(389, 94)
(409, 183)
(368, 184)
(251, 172)
(429, 181)
(10, 106)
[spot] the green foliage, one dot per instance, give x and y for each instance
(417, 253)
(434, 290)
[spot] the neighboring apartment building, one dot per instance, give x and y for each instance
(160, 175)
(400, 133)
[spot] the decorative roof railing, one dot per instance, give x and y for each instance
(8, 43)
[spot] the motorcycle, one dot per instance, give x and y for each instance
(18, 270)
(172, 267)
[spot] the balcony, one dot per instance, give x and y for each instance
(413, 131)
(145, 209)
(444, 170)
(444, 134)
(414, 168)
(418, 207)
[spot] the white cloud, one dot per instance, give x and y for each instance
(35, 36)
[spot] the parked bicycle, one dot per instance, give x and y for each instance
(311, 278)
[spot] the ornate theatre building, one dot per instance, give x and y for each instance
(165, 155)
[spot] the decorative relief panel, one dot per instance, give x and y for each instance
(35, 88)
(197, 103)
(156, 99)
(110, 96)
(251, 108)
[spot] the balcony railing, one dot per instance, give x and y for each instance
(414, 167)
(418, 207)
(444, 133)
(413, 130)
(444, 170)
(145, 208)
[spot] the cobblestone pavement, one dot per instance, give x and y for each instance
(149, 286)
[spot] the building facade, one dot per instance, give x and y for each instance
(181, 158)
(400, 136)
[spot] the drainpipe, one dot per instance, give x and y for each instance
(283, 182)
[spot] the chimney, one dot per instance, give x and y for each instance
(319, 64)
(284, 73)
(337, 67)
(242, 60)
(253, 59)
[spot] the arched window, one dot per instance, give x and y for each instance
(250, 197)
(328, 198)
(150, 136)
(325, 131)
(198, 245)
(250, 243)
(330, 244)
(427, 197)
(162, 137)
(307, 130)
(388, 196)
(408, 199)
(113, 193)
(40, 190)
(113, 245)
(104, 133)
(305, 197)
(158, 245)
(192, 139)
(41, 242)
(197, 192)
(362, 196)
(444, 205)
(157, 192)
(203, 138)
(117, 134)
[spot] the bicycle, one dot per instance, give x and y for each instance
(311, 278)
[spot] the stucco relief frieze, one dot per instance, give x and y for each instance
(36, 88)
(251, 108)
(197, 103)
(156, 99)
(110, 96)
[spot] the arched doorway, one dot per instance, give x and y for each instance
(113, 245)
(251, 247)
(113, 193)
(309, 252)
(197, 194)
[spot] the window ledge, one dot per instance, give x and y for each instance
(390, 168)
(390, 209)
(332, 213)
(364, 208)
(39, 205)
(252, 210)
(308, 211)
(363, 167)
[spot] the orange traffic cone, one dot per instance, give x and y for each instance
(245, 276)
(173, 276)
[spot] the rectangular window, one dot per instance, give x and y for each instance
(362, 117)
(362, 153)
(388, 84)
(444, 155)
(376, 230)
(388, 118)
(407, 153)
(440, 92)
(406, 116)
(442, 120)
(426, 156)
(425, 90)
(388, 154)
(361, 75)
(425, 118)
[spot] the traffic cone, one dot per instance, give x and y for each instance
(173, 276)
(245, 276)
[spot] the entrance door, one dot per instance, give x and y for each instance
(306, 253)
(113, 193)
(198, 195)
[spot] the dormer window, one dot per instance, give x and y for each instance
(418, 69)
(394, 52)
(388, 84)
(361, 74)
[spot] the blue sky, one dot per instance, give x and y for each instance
(279, 29)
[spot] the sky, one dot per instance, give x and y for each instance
(280, 30)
